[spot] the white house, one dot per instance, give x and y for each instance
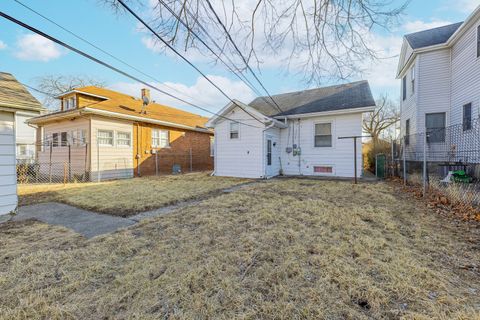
(16, 104)
(296, 135)
(440, 72)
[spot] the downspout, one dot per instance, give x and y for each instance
(263, 149)
(214, 153)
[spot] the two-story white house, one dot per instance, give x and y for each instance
(440, 88)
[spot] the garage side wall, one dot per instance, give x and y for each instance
(242, 157)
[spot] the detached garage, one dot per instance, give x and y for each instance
(8, 179)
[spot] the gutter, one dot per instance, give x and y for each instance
(330, 113)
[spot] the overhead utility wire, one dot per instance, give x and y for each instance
(236, 73)
(185, 59)
(106, 52)
(240, 53)
(86, 55)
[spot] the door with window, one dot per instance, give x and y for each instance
(270, 156)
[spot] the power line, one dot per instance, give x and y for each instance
(86, 55)
(183, 58)
(236, 73)
(105, 52)
(240, 53)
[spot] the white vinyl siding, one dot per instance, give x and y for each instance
(241, 157)
(340, 156)
(8, 181)
(408, 107)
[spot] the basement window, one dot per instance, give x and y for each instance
(323, 169)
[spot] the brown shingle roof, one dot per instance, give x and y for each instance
(14, 95)
(125, 104)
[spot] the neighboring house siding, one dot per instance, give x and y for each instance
(465, 76)
(25, 136)
(408, 106)
(339, 156)
(242, 157)
(111, 162)
(8, 181)
(434, 83)
(54, 162)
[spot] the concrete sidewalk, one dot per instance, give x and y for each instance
(87, 223)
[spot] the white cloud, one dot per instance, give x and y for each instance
(3, 45)
(201, 93)
(34, 47)
(419, 25)
(464, 6)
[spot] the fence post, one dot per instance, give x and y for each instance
(69, 163)
(64, 173)
(86, 163)
(191, 162)
(50, 165)
(156, 162)
(425, 165)
(404, 160)
(98, 159)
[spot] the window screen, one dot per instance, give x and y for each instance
(269, 152)
(435, 127)
(323, 135)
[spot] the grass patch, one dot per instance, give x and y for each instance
(284, 249)
(128, 196)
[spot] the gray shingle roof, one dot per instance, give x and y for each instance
(338, 97)
(432, 37)
(14, 94)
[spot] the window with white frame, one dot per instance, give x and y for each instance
(160, 138)
(435, 127)
(54, 139)
(323, 134)
(105, 137)
(212, 146)
(66, 104)
(412, 80)
(79, 137)
(234, 134)
(478, 41)
(123, 139)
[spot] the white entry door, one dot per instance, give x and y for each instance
(270, 158)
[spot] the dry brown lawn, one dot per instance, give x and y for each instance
(284, 249)
(128, 196)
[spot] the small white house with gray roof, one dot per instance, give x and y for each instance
(297, 134)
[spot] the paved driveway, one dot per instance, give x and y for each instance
(87, 223)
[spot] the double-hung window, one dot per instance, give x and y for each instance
(123, 139)
(54, 139)
(323, 135)
(467, 117)
(160, 138)
(407, 132)
(234, 130)
(105, 137)
(212, 146)
(435, 127)
(404, 87)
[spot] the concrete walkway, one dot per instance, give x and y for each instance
(87, 223)
(91, 224)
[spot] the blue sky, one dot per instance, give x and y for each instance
(29, 57)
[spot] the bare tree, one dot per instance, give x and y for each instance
(382, 120)
(54, 85)
(320, 39)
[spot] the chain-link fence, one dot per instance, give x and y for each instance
(445, 160)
